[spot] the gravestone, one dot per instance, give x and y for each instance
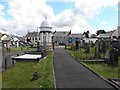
(8, 62)
(38, 46)
(92, 44)
(97, 49)
(77, 44)
(73, 46)
(113, 57)
(83, 43)
(103, 46)
(87, 49)
(114, 53)
(106, 57)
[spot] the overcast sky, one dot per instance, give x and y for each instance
(20, 16)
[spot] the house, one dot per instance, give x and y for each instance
(32, 37)
(116, 33)
(11, 41)
(63, 37)
(106, 35)
(3, 36)
(75, 36)
(60, 37)
(110, 34)
(7, 42)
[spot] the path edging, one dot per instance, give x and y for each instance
(53, 70)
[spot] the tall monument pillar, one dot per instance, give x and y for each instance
(45, 35)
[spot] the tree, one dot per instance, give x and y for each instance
(86, 34)
(69, 33)
(100, 32)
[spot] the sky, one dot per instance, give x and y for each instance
(20, 16)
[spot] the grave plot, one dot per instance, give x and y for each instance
(27, 57)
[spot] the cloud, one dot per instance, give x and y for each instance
(30, 11)
(72, 20)
(89, 8)
(27, 15)
(104, 22)
(76, 19)
(1, 10)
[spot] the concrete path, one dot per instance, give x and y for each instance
(71, 74)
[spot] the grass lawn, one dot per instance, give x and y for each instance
(80, 54)
(14, 49)
(19, 76)
(104, 70)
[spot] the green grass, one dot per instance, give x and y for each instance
(104, 70)
(68, 47)
(19, 76)
(80, 54)
(14, 49)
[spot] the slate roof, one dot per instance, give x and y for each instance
(106, 35)
(65, 33)
(79, 35)
(32, 34)
(61, 33)
(116, 33)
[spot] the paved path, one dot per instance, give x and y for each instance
(71, 74)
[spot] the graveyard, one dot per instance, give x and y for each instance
(19, 76)
(94, 56)
(59, 44)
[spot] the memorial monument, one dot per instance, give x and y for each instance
(45, 35)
